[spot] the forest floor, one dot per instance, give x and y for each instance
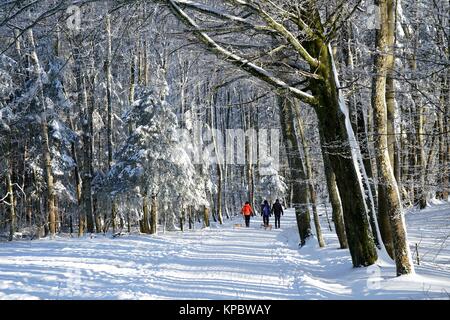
(223, 262)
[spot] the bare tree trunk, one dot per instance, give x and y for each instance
(128, 222)
(11, 205)
(383, 219)
(432, 151)
(411, 188)
(86, 220)
(383, 201)
(144, 222)
(446, 160)
(44, 134)
(87, 160)
(441, 148)
(218, 155)
(76, 167)
(78, 184)
(310, 177)
(219, 194)
(109, 122)
(421, 195)
(49, 174)
(359, 126)
(182, 219)
(206, 216)
(390, 95)
(385, 171)
(333, 192)
(446, 180)
(297, 173)
(417, 153)
(403, 158)
(132, 77)
(335, 139)
(444, 139)
(249, 161)
(191, 220)
(145, 64)
(153, 216)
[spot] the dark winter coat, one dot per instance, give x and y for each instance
(277, 209)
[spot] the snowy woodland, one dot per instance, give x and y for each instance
(122, 119)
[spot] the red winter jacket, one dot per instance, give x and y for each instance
(247, 210)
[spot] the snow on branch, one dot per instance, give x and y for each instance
(3, 199)
(200, 7)
(19, 187)
(236, 60)
(281, 29)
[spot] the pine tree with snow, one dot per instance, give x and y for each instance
(153, 161)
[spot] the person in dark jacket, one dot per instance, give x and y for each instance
(265, 212)
(277, 210)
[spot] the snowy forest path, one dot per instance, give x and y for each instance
(221, 262)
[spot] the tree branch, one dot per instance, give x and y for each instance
(281, 29)
(236, 60)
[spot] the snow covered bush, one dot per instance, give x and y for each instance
(271, 185)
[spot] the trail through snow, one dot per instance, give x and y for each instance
(222, 262)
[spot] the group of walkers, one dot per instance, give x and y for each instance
(266, 212)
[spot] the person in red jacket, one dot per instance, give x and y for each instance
(247, 212)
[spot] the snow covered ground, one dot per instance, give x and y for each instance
(223, 262)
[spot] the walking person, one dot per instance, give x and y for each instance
(247, 212)
(277, 210)
(265, 212)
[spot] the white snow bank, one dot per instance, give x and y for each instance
(222, 263)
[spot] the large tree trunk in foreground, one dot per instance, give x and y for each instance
(385, 171)
(390, 95)
(383, 219)
(336, 142)
(356, 114)
(383, 203)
